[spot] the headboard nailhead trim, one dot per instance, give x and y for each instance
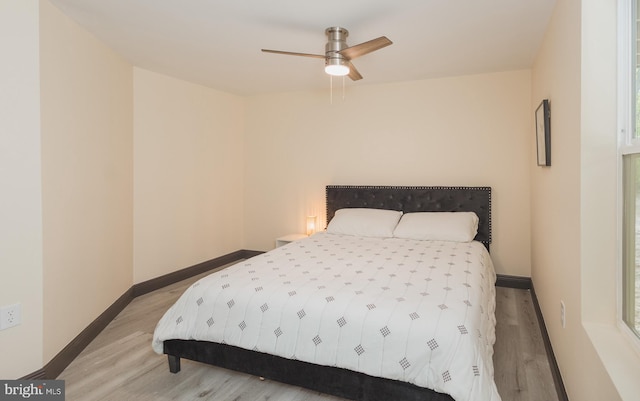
(414, 199)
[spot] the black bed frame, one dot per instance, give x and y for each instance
(331, 380)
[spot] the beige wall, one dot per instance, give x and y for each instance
(87, 172)
(598, 159)
(470, 130)
(70, 214)
(188, 174)
(20, 180)
(573, 202)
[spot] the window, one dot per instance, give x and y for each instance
(631, 244)
(630, 159)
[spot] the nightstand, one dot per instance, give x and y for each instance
(288, 238)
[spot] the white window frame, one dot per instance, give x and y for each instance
(628, 140)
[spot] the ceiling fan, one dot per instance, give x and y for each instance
(338, 56)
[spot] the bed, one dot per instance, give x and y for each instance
(354, 312)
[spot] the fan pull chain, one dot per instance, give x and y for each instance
(330, 89)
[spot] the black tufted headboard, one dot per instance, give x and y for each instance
(416, 199)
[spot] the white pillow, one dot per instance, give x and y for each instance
(364, 222)
(438, 226)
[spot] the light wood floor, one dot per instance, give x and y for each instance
(120, 364)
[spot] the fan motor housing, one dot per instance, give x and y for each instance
(337, 41)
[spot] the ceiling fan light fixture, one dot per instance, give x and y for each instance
(336, 70)
(336, 67)
(338, 55)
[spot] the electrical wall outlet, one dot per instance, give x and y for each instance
(10, 316)
(562, 315)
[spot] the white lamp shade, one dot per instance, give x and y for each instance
(311, 224)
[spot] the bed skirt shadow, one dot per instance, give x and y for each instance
(329, 380)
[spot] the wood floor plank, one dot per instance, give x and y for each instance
(522, 370)
(120, 364)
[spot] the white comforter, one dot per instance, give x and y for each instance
(415, 311)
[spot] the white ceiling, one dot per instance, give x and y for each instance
(217, 42)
